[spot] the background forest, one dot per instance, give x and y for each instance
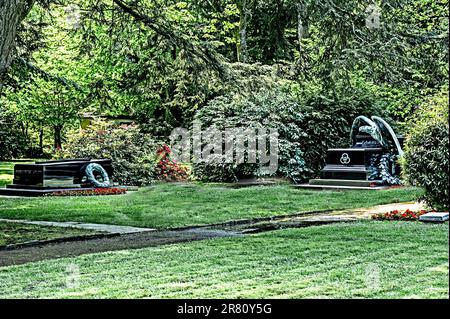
(307, 67)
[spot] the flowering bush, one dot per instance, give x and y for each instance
(398, 215)
(132, 152)
(90, 192)
(169, 169)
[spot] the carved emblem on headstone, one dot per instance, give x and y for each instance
(345, 159)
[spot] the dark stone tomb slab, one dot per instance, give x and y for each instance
(50, 176)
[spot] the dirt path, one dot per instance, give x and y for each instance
(127, 241)
(157, 238)
(111, 229)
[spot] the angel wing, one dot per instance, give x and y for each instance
(388, 133)
(366, 125)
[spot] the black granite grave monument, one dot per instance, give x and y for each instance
(47, 177)
(370, 162)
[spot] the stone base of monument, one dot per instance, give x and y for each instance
(48, 177)
(338, 187)
(346, 182)
(342, 184)
(434, 217)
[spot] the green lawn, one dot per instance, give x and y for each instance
(6, 173)
(361, 260)
(173, 205)
(13, 233)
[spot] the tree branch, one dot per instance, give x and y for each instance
(208, 56)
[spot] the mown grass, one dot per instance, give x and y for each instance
(361, 260)
(174, 205)
(6, 173)
(14, 233)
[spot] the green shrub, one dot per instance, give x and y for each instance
(13, 144)
(308, 122)
(225, 172)
(269, 110)
(426, 159)
(133, 154)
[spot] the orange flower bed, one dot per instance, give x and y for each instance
(90, 192)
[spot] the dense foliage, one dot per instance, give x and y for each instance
(137, 158)
(161, 61)
(307, 122)
(307, 67)
(133, 154)
(13, 143)
(426, 160)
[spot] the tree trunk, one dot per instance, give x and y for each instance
(12, 12)
(302, 29)
(41, 138)
(242, 45)
(299, 26)
(57, 137)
